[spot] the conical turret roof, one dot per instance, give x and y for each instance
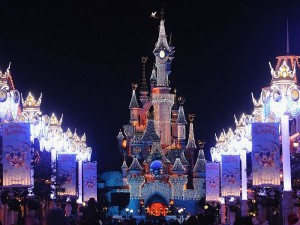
(200, 166)
(162, 42)
(178, 167)
(191, 141)
(133, 102)
(150, 133)
(135, 165)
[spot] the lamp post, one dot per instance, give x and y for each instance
(281, 101)
(180, 215)
(131, 211)
(127, 211)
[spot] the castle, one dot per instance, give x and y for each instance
(162, 176)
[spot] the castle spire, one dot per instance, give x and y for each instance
(144, 89)
(133, 102)
(181, 117)
(191, 145)
(175, 105)
(162, 42)
(200, 166)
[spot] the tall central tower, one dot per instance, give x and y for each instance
(162, 99)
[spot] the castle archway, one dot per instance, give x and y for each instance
(157, 206)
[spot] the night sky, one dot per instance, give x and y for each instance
(84, 55)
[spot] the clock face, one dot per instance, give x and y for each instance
(277, 95)
(3, 95)
(162, 54)
(16, 96)
(295, 95)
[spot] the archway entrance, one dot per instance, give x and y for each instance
(158, 209)
(157, 206)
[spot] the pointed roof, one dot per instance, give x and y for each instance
(175, 105)
(156, 153)
(175, 153)
(178, 167)
(150, 133)
(135, 165)
(120, 135)
(181, 116)
(153, 77)
(124, 165)
(162, 42)
(191, 141)
(133, 102)
(200, 165)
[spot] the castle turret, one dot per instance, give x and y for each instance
(153, 79)
(181, 122)
(134, 107)
(191, 144)
(199, 172)
(162, 100)
(257, 114)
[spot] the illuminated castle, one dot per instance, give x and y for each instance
(162, 176)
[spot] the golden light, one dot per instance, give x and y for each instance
(172, 202)
(206, 207)
(162, 54)
(124, 144)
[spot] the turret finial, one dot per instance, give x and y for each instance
(201, 144)
(191, 117)
(134, 86)
(181, 100)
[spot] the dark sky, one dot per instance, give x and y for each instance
(84, 55)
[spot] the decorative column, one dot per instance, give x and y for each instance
(80, 194)
(287, 194)
(244, 207)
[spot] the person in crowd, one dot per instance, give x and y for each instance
(56, 216)
(90, 214)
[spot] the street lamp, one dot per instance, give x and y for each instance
(127, 211)
(131, 211)
(281, 100)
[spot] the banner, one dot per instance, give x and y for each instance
(16, 155)
(265, 154)
(66, 173)
(89, 171)
(213, 182)
(231, 181)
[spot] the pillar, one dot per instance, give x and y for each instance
(287, 195)
(80, 194)
(244, 207)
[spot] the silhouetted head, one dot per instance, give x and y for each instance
(92, 203)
